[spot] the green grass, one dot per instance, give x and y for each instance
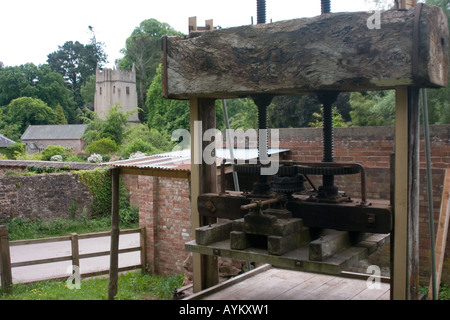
(131, 286)
(20, 228)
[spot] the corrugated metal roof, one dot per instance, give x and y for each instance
(55, 164)
(54, 132)
(181, 160)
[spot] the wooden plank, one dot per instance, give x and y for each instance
(329, 52)
(442, 232)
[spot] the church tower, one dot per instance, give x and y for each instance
(115, 86)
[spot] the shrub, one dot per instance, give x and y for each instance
(103, 146)
(51, 151)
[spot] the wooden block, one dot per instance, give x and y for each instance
(277, 245)
(209, 234)
(329, 52)
(238, 240)
(328, 244)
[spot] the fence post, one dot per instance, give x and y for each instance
(143, 236)
(5, 260)
(75, 250)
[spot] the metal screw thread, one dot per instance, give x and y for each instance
(261, 11)
(328, 133)
(326, 6)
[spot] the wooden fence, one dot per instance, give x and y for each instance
(6, 265)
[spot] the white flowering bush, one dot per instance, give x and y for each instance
(137, 154)
(95, 158)
(56, 157)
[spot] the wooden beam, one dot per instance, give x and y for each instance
(328, 52)
(203, 179)
(405, 283)
(442, 232)
(114, 256)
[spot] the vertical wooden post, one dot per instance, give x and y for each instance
(114, 256)
(143, 244)
(406, 207)
(75, 250)
(5, 260)
(203, 179)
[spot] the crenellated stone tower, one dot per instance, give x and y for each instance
(115, 86)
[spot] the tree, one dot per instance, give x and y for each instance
(38, 82)
(25, 111)
(88, 92)
(76, 63)
(113, 127)
(165, 115)
(143, 50)
(375, 108)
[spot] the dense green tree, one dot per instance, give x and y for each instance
(25, 111)
(165, 115)
(113, 127)
(375, 108)
(143, 50)
(38, 82)
(76, 63)
(88, 92)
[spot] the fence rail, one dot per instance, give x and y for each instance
(6, 265)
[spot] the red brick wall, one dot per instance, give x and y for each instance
(164, 209)
(372, 146)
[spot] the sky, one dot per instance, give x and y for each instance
(31, 29)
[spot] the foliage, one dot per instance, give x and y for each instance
(375, 108)
(143, 51)
(38, 82)
(23, 112)
(14, 150)
(103, 146)
(165, 115)
(51, 151)
(338, 121)
(88, 91)
(99, 183)
(131, 286)
(76, 63)
(113, 127)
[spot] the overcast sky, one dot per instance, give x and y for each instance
(31, 29)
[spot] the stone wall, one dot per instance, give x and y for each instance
(44, 197)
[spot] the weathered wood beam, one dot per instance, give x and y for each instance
(330, 52)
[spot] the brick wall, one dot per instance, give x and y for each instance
(164, 209)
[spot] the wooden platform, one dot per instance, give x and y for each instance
(269, 283)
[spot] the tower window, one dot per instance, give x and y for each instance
(100, 90)
(128, 90)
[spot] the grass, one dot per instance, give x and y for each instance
(20, 228)
(131, 286)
